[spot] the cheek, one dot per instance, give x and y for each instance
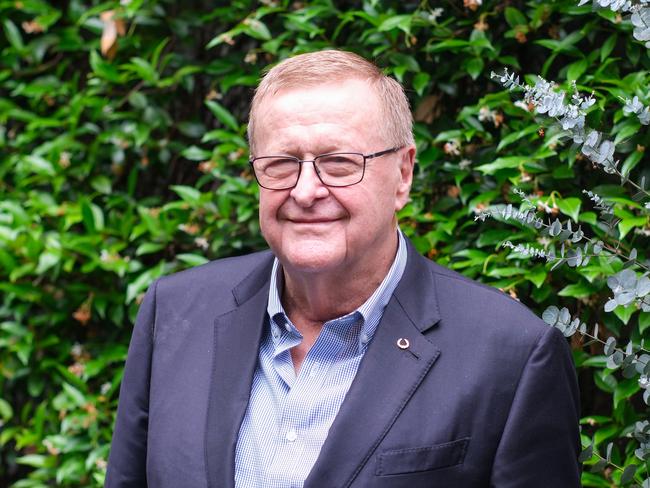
(267, 211)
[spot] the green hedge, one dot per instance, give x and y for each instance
(123, 157)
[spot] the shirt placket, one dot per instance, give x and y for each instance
(296, 430)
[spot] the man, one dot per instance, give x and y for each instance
(340, 357)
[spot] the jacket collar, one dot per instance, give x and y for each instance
(237, 336)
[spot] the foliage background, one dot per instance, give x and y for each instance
(123, 157)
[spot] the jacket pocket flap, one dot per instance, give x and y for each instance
(401, 461)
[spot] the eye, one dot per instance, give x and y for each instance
(340, 164)
(277, 167)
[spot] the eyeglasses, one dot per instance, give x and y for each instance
(333, 169)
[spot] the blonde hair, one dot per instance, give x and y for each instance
(320, 67)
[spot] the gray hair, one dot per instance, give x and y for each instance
(311, 69)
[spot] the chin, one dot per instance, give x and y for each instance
(312, 256)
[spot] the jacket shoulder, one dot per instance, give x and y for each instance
(483, 309)
(215, 281)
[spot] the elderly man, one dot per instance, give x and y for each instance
(341, 357)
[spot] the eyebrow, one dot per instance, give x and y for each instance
(329, 148)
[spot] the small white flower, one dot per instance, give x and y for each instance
(76, 350)
(434, 15)
(202, 242)
(485, 114)
(464, 163)
(522, 105)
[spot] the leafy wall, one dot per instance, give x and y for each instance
(123, 157)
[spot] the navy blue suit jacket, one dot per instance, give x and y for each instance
(485, 396)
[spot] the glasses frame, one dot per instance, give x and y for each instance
(366, 157)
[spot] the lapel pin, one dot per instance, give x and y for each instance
(403, 343)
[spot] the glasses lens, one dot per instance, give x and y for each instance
(340, 169)
(276, 172)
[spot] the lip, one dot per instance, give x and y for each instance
(312, 221)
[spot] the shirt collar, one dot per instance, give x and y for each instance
(370, 311)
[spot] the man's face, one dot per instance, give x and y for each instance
(313, 228)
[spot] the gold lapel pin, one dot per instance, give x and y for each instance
(403, 343)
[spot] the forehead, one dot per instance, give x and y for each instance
(338, 114)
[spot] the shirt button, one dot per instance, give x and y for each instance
(364, 338)
(288, 327)
(291, 435)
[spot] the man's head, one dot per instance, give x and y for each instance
(332, 102)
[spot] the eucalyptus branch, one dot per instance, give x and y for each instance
(550, 101)
(640, 17)
(627, 473)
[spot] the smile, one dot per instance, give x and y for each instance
(313, 222)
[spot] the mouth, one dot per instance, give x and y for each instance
(312, 221)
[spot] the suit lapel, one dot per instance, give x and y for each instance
(237, 336)
(387, 377)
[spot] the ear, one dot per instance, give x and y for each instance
(406, 164)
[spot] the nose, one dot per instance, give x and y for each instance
(309, 187)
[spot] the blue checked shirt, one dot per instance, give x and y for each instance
(288, 416)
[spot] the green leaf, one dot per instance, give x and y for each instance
(192, 259)
(402, 22)
(101, 184)
(474, 67)
(577, 290)
(624, 313)
(93, 216)
(36, 460)
(75, 395)
(13, 35)
(576, 69)
(625, 390)
(448, 45)
(420, 82)
(256, 29)
(644, 321)
(537, 276)
(148, 248)
(514, 17)
(608, 46)
(570, 206)
(604, 433)
(70, 469)
(47, 260)
(187, 193)
(505, 162)
(517, 135)
(565, 45)
(38, 165)
(143, 68)
(631, 162)
(195, 153)
(626, 225)
(104, 69)
(225, 117)
(6, 412)
(142, 282)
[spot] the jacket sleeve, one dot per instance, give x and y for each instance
(541, 441)
(128, 456)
